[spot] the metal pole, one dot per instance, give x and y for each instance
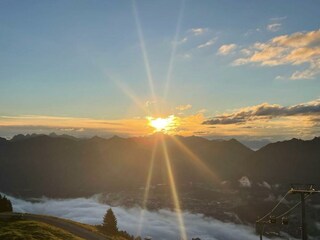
(303, 218)
(261, 229)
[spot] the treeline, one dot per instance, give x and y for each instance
(5, 204)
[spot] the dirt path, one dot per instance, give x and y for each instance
(60, 223)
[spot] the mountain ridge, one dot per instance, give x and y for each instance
(61, 166)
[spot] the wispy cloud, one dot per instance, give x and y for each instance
(278, 19)
(208, 43)
(295, 49)
(274, 27)
(184, 107)
(226, 49)
(275, 24)
(198, 31)
(183, 40)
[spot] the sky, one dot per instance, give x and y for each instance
(219, 69)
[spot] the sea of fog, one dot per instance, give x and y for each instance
(160, 225)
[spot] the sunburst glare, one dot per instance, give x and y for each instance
(174, 192)
(147, 188)
(164, 125)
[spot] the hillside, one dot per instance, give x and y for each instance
(31, 226)
(32, 230)
(287, 162)
(70, 167)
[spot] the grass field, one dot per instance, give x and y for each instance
(31, 230)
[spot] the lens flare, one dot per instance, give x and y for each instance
(196, 161)
(163, 124)
(174, 192)
(147, 189)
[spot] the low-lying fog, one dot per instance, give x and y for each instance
(160, 225)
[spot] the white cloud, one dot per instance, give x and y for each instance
(161, 224)
(183, 40)
(208, 43)
(198, 31)
(226, 49)
(274, 27)
(245, 52)
(309, 73)
(295, 49)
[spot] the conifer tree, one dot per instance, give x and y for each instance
(109, 225)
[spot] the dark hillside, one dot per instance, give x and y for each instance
(59, 166)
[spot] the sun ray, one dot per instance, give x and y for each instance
(174, 192)
(147, 188)
(123, 87)
(129, 93)
(144, 50)
(196, 160)
(173, 50)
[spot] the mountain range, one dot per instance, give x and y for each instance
(64, 166)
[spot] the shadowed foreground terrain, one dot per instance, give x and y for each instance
(25, 229)
(30, 226)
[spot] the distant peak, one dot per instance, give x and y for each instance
(96, 138)
(115, 137)
(53, 134)
(233, 140)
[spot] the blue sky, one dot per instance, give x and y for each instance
(82, 60)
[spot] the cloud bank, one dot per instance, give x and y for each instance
(160, 225)
(267, 111)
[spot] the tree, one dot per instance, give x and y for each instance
(109, 225)
(5, 204)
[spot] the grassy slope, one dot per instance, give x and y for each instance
(88, 227)
(30, 230)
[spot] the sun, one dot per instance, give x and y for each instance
(162, 124)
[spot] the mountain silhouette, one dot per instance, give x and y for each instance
(62, 166)
(292, 161)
